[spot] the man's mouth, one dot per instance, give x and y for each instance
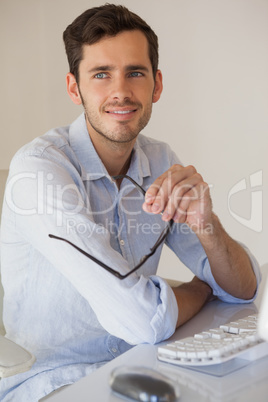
(121, 111)
(121, 115)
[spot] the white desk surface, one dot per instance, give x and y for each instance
(248, 384)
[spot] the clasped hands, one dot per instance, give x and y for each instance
(181, 194)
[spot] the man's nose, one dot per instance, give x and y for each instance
(121, 89)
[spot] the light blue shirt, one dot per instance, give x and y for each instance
(67, 310)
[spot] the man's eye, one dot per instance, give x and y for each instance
(136, 74)
(100, 75)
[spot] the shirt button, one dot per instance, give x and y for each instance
(114, 350)
(122, 242)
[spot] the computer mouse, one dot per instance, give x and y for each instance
(143, 384)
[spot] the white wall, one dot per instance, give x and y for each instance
(214, 58)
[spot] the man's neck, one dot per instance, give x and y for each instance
(116, 157)
(116, 163)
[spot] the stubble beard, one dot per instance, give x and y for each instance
(122, 133)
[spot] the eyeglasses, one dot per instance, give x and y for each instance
(159, 241)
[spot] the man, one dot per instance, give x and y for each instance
(63, 201)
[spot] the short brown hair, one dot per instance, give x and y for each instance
(107, 20)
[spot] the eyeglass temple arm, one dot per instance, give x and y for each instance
(161, 238)
(163, 235)
(123, 176)
(106, 267)
(91, 257)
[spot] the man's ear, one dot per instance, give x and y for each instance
(158, 87)
(72, 89)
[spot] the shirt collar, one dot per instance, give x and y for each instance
(139, 166)
(91, 164)
(81, 144)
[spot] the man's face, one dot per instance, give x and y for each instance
(117, 87)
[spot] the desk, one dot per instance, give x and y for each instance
(245, 385)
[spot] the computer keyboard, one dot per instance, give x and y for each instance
(217, 345)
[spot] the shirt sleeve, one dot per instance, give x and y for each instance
(41, 196)
(222, 294)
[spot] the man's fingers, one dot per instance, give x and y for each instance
(179, 194)
(182, 194)
(162, 187)
(165, 194)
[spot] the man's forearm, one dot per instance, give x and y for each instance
(191, 297)
(181, 194)
(230, 264)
